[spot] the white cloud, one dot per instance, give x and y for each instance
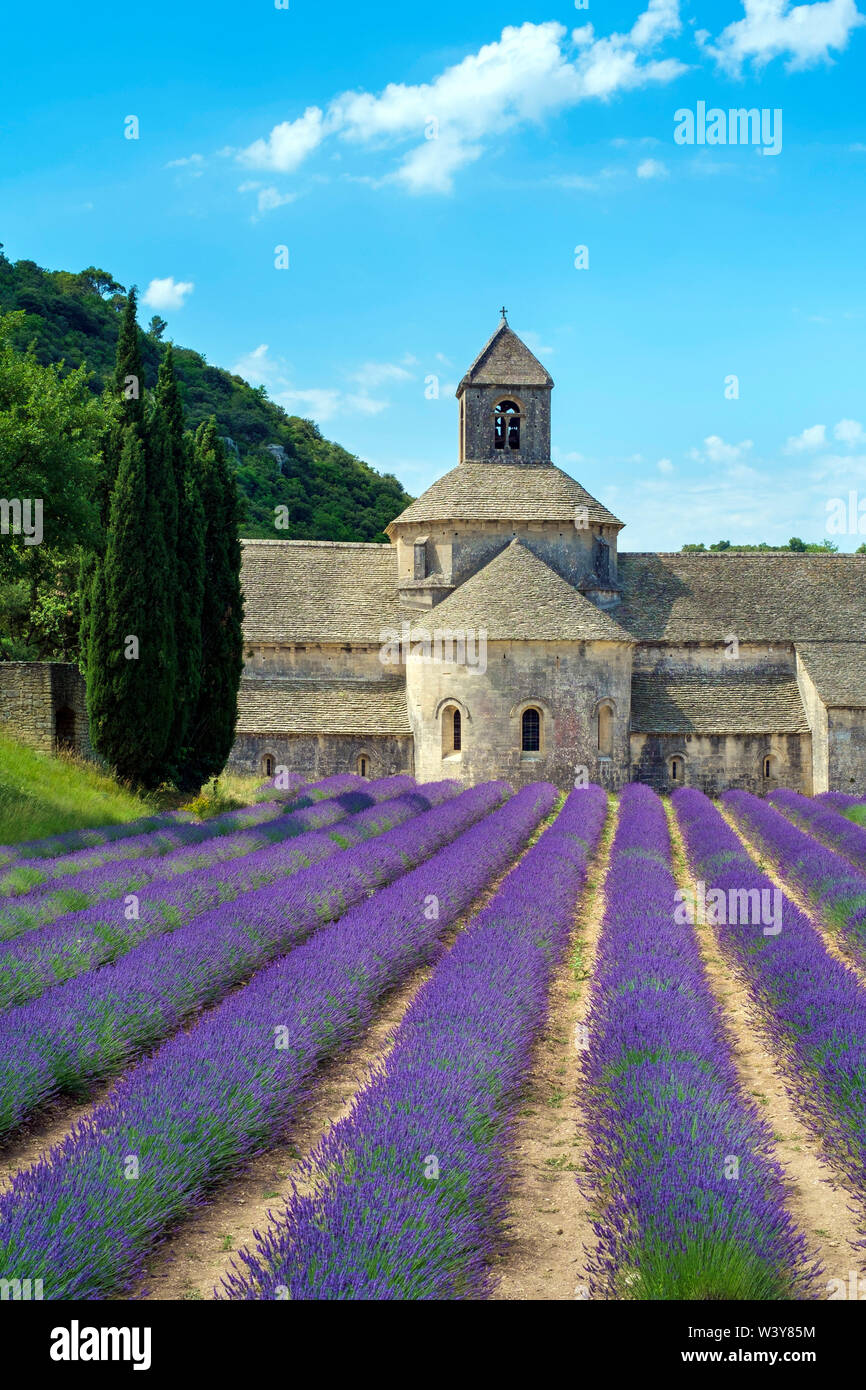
(531, 71)
(804, 34)
(849, 432)
(715, 450)
(535, 342)
(167, 294)
(815, 437)
(191, 159)
(288, 144)
(270, 198)
(322, 403)
(373, 374)
(665, 466)
(652, 169)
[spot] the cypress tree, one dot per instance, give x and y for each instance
(212, 728)
(130, 673)
(184, 539)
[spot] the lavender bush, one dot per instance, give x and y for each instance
(427, 1143)
(813, 1006)
(36, 908)
(87, 1027)
(80, 941)
(50, 846)
(84, 1218)
(830, 883)
(693, 1205)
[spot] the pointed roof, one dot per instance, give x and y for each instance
(517, 597)
(504, 492)
(505, 360)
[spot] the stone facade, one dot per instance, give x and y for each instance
(504, 633)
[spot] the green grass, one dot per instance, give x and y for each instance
(41, 794)
(44, 795)
(856, 813)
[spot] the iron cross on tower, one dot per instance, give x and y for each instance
(503, 311)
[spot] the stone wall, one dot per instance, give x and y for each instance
(309, 661)
(460, 549)
(713, 762)
(565, 681)
(816, 713)
(846, 752)
(322, 755)
(43, 703)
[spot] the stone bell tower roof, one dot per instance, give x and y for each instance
(505, 360)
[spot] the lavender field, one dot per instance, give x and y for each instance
(385, 1040)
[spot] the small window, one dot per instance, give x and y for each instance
(678, 770)
(530, 730)
(768, 766)
(605, 730)
(269, 763)
(452, 731)
(506, 432)
(363, 766)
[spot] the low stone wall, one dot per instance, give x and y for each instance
(43, 703)
(322, 755)
(713, 762)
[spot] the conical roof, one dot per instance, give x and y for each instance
(517, 597)
(505, 360)
(505, 492)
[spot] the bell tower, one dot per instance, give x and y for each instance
(505, 404)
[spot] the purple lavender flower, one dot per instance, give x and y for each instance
(427, 1144)
(84, 1218)
(693, 1205)
(89, 1026)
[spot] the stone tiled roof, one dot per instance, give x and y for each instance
(703, 703)
(322, 707)
(838, 670)
(505, 360)
(505, 492)
(762, 596)
(518, 597)
(318, 591)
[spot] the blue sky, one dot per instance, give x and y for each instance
(426, 164)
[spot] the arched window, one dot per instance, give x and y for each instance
(452, 731)
(678, 770)
(269, 763)
(506, 432)
(768, 765)
(363, 765)
(605, 730)
(530, 731)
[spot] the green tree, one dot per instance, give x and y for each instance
(212, 728)
(183, 525)
(130, 668)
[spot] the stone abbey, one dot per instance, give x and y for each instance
(504, 632)
(706, 669)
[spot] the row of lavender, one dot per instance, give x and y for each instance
(409, 1192)
(36, 908)
(26, 875)
(86, 1028)
(79, 941)
(84, 1218)
(813, 1005)
(692, 1206)
(834, 888)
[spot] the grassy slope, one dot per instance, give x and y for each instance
(44, 795)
